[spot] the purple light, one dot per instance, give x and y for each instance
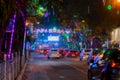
(12, 34)
(9, 56)
(46, 14)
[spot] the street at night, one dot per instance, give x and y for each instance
(59, 39)
(38, 68)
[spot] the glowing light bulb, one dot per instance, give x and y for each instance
(118, 0)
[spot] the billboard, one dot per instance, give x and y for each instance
(53, 38)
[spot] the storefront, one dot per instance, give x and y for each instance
(115, 37)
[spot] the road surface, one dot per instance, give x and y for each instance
(39, 68)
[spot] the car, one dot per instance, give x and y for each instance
(105, 67)
(73, 53)
(61, 51)
(43, 51)
(54, 53)
(111, 69)
(66, 52)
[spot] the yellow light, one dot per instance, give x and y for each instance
(27, 23)
(83, 21)
(118, 0)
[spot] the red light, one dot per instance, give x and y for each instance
(93, 56)
(113, 64)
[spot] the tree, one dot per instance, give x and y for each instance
(9, 10)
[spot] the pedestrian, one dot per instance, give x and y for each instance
(82, 54)
(45, 55)
(48, 54)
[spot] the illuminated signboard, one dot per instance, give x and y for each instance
(53, 38)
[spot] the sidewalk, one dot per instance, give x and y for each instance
(31, 64)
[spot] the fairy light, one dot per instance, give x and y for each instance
(12, 34)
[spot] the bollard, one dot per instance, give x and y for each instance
(5, 65)
(15, 64)
(13, 77)
(9, 73)
(18, 61)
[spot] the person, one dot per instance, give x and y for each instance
(48, 54)
(45, 54)
(82, 54)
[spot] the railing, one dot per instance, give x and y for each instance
(11, 68)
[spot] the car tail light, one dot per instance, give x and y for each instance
(72, 54)
(93, 56)
(113, 64)
(77, 53)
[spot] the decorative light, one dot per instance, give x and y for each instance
(109, 7)
(54, 29)
(118, 0)
(46, 14)
(40, 10)
(12, 34)
(83, 21)
(27, 23)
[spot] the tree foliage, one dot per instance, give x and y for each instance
(7, 10)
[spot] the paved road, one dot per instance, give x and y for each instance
(39, 68)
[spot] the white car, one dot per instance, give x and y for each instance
(54, 53)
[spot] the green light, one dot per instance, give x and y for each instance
(109, 7)
(83, 27)
(40, 13)
(40, 10)
(109, 53)
(40, 7)
(103, 51)
(66, 35)
(75, 16)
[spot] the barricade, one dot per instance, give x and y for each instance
(10, 68)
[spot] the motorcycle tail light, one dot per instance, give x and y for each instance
(113, 64)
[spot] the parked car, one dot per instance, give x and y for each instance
(105, 67)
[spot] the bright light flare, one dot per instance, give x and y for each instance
(118, 0)
(27, 23)
(53, 38)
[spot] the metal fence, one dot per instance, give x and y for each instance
(11, 68)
